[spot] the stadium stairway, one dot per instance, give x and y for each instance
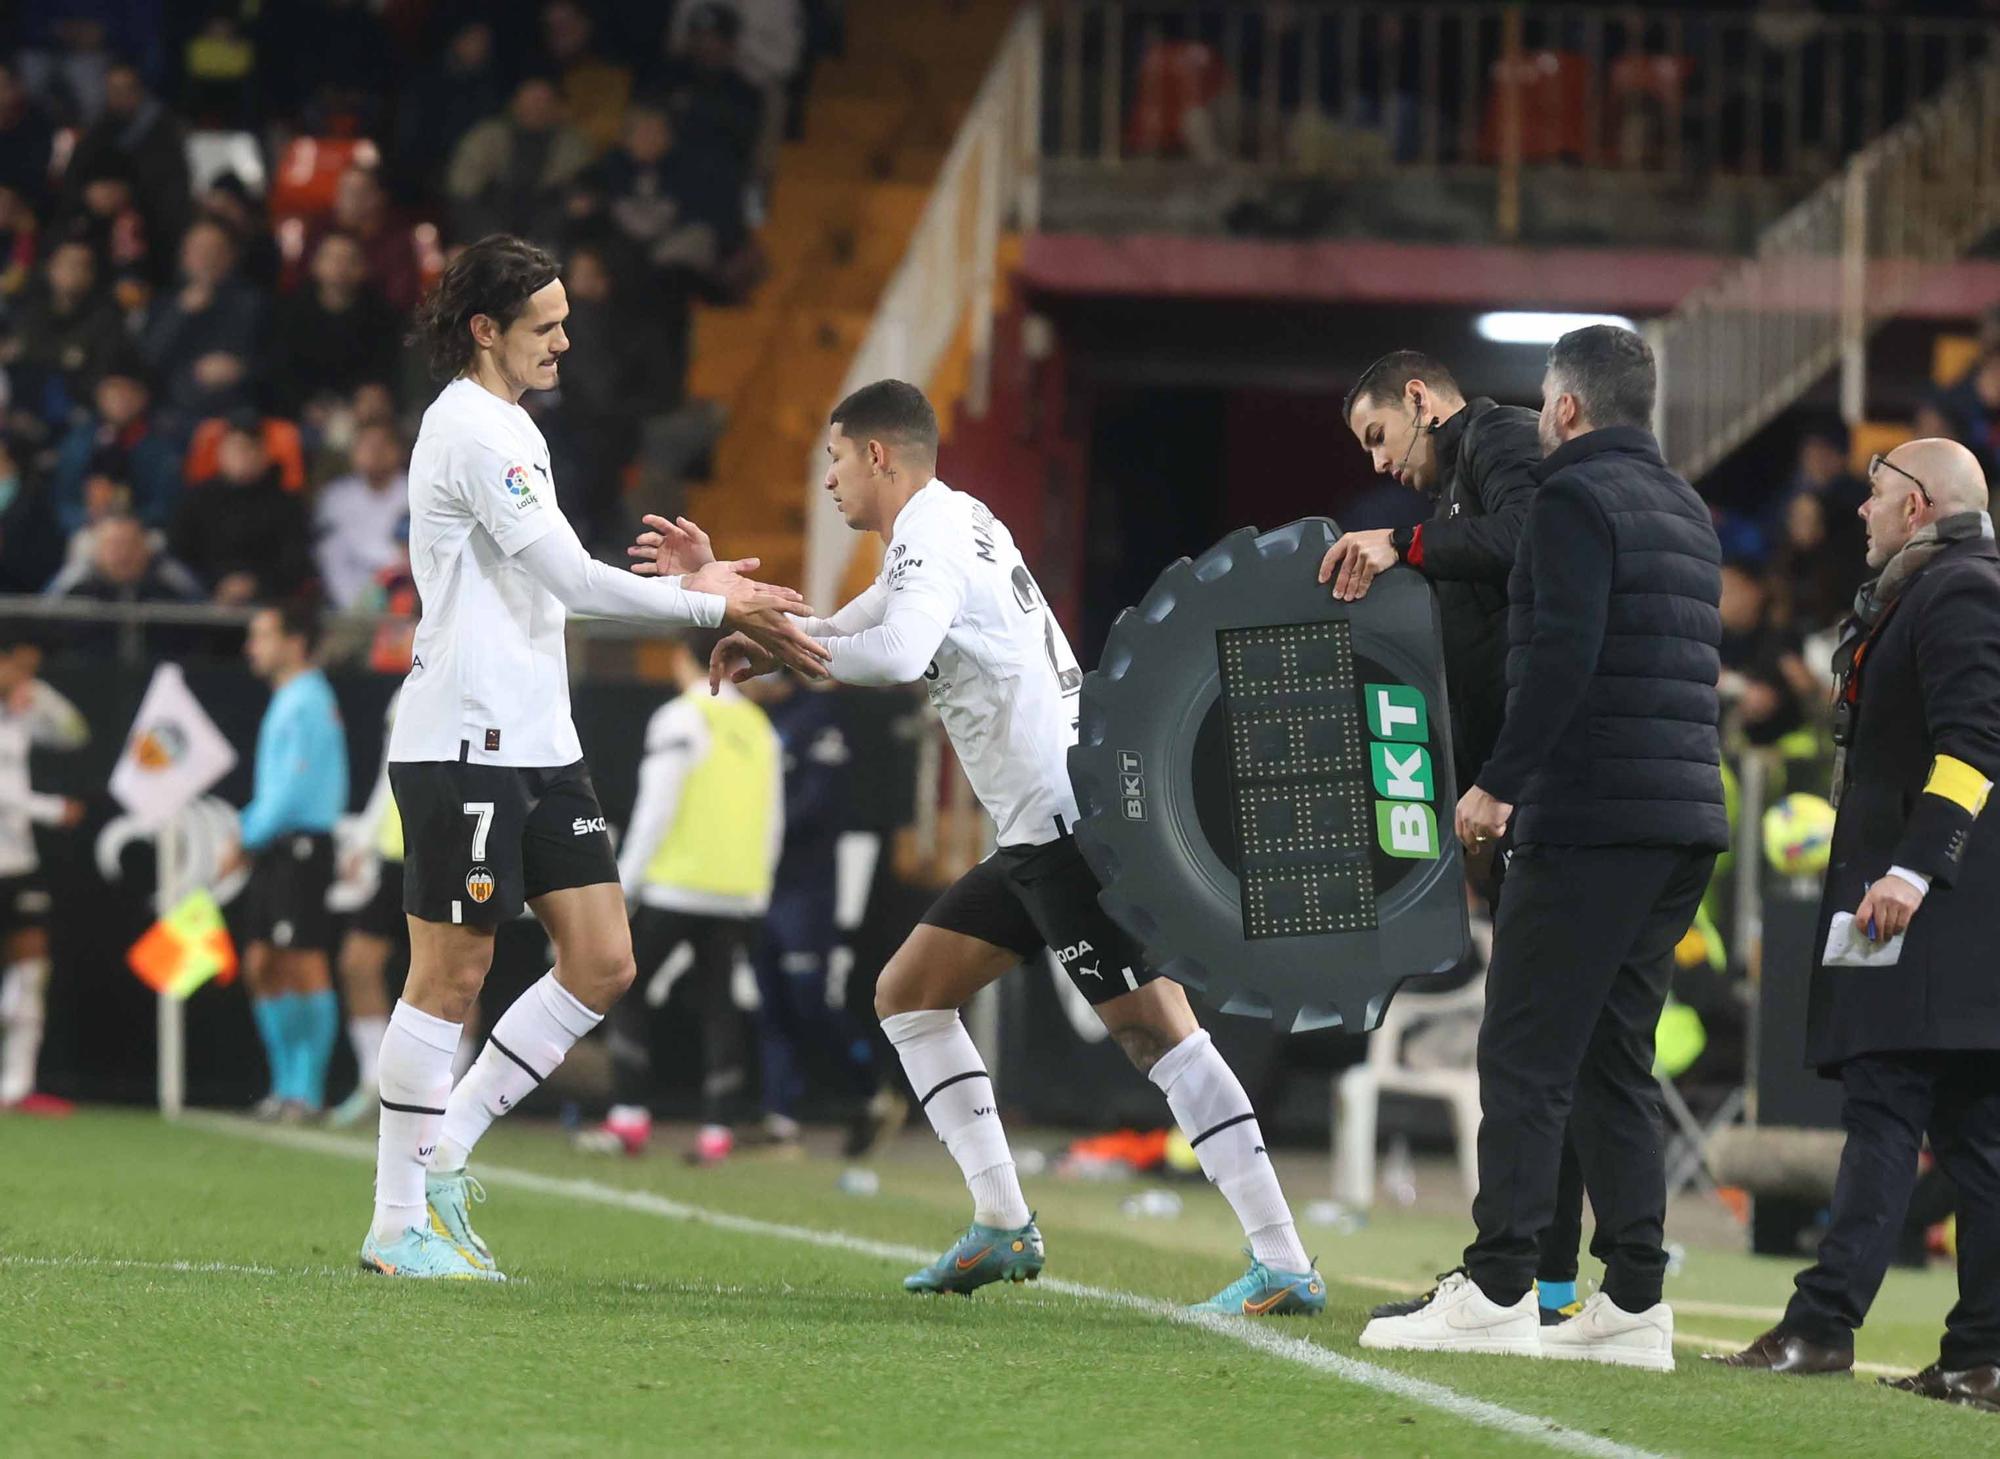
(845, 200)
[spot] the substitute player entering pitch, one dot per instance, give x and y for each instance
(497, 804)
(956, 607)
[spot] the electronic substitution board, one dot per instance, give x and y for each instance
(1264, 776)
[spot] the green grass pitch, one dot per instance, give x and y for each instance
(191, 1289)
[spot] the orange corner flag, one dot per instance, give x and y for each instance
(185, 948)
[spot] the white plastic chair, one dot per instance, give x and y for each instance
(1357, 1092)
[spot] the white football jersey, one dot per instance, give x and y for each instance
(490, 679)
(48, 719)
(1004, 680)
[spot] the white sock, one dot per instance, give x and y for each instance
(957, 1093)
(465, 1053)
(531, 1038)
(1214, 1113)
(414, 1075)
(365, 1033)
(23, 989)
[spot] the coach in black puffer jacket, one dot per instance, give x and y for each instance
(1613, 654)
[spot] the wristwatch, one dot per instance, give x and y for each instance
(1400, 539)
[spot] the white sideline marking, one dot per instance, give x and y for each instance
(115, 1263)
(1252, 1335)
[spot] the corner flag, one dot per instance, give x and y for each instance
(174, 754)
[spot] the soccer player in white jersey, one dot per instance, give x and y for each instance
(956, 607)
(497, 805)
(32, 716)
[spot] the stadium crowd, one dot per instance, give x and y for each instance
(212, 234)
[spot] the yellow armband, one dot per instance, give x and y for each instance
(1954, 780)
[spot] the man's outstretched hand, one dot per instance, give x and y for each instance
(668, 549)
(762, 613)
(736, 658)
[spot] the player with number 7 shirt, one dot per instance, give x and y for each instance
(497, 804)
(956, 607)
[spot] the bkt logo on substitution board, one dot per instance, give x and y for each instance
(1405, 823)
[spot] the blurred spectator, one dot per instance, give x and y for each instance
(770, 44)
(219, 73)
(202, 342)
(106, 215)
(442, 104)
(117, 440)
(65, 60)
(678, 209)
(594, 90)
(228, 200)
(1969, 412)
(1761, 669)
(26, 139)
(30, 543)
(335, 333)
(593, 432)
(126, 563)
(509, 171)
(358, 516)
(770, 47)
(361, 209)
(1821, 545)
(243, 534)
(138, 129)
(69, 332)
(20, 233)
(712, 106)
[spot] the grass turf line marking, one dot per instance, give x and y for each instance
(1241, 1330)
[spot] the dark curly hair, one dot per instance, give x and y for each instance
(495, 277)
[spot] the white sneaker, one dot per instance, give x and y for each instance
(1604, 1332)
(1459, 1318)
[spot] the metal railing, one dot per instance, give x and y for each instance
(946, 279)
(1335, 89)
(1827, 274)
(1667, 88)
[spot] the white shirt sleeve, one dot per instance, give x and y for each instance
(1915, 878)
(505, 494)
(865, 611)
(676, 739)
(924, 590)
(584, 585)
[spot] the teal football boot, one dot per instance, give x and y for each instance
(447, 1194)
(423, 1254)
(1265, 1292)
(983, 1254)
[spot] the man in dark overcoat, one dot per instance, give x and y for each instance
(1905, 1003)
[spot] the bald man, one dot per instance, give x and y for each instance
(1905, 1005)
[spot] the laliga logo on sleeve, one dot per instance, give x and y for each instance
(518, 488)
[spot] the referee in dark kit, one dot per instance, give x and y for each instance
(1607, 773)
(1478, 463)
